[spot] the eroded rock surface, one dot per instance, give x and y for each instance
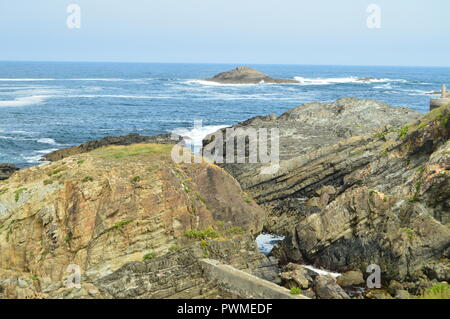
(359, 183)
(124, 214)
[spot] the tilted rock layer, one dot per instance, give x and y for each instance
(114, 206)
(357, 185)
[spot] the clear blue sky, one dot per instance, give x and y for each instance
(413, 32)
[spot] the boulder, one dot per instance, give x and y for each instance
(350, 278)
(326, 288)
(297, 276)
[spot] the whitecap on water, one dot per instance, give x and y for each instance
(47, 141)
(24, 101)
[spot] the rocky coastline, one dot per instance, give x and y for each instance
(360, 183)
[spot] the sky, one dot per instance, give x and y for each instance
(411, 32)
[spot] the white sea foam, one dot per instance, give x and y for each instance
(47, 141)
(266, 242)
(25, 80)
(386, 86)
(197, 134)
(322, 271)
(24, 101)
(211, 83)
(73, 79)
(47, 151)
(327, 81)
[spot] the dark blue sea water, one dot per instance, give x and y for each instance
(46, 106)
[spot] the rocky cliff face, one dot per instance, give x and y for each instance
(245, 75)
(375, 191)
(121, 209)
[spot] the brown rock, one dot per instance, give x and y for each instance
(350, 278)
(116, 206)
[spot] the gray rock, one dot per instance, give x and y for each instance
(390, 201)
(326, 288)
(296, 276)
(6, 170)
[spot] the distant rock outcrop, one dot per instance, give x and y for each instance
(6, 170)
(246, 75)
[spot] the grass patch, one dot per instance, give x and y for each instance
(403, 131)
(118, 152)
(87, 179)
(68, 239)
(3, 191)
(19, 192)
(174, 248)
(149, 256)
(34, 278)
(409, 232)
(48, 182)
(80, 162)
(56, 171)
(135, 180)
(248, 199)
(296, 291)
(438, 291)
(235, 230)
(208, 233)
(413, 199)
(122, 224)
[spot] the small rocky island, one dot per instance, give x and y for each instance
(245, 75)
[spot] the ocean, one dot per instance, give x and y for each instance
(45, 106)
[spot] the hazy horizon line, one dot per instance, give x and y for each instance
(226, 63)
